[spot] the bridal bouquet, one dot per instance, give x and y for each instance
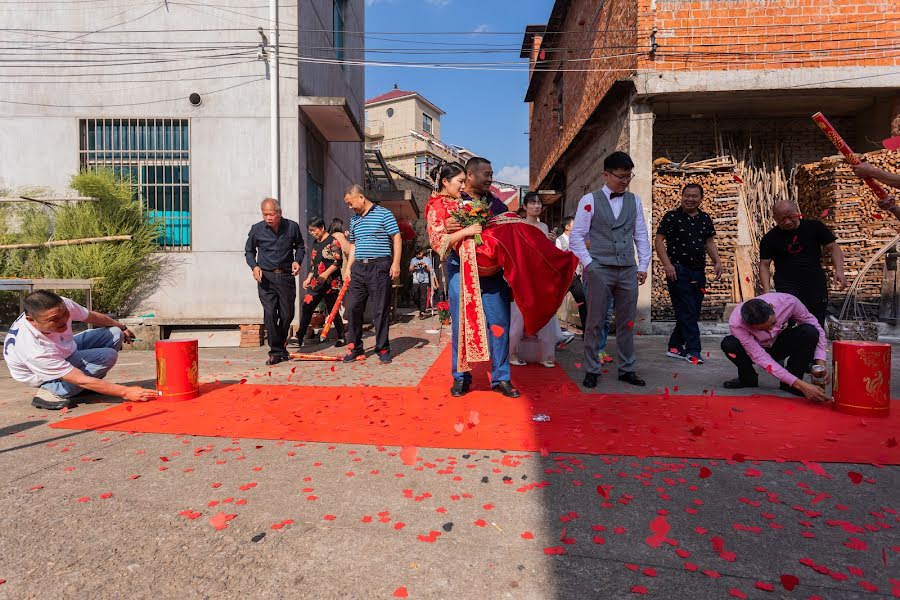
(470, 212)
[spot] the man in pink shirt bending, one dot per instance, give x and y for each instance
(768, 329)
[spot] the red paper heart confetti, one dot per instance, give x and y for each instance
(855, 477)
(704, 473)
(408, 455)
(789, 582)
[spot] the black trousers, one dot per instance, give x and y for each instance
(797, 344)
(687, 301)
(278, 295)
(370, 279)
(577, 291)
(420, 295)
(812, 292)
(329, 296)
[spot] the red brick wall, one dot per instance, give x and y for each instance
(742, 34)
(589, 43)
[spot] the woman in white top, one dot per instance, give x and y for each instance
(548, 334)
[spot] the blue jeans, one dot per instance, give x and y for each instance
(687, 300)
(98, 350)
(496, 298)
(604, 332)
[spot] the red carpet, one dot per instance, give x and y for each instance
(755, 427)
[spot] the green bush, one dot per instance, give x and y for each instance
(126, 270)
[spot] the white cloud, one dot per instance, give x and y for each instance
(513, 174)
(439, 2)
(481, 28)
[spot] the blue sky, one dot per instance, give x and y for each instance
(486, 111)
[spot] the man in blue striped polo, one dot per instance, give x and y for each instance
(374, 260)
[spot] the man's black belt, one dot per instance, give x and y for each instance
(278, 271)
(366, 261)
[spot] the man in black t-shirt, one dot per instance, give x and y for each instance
(684, 237)
(795, 246)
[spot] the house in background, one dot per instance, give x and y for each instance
(192, 129)
(686, 79)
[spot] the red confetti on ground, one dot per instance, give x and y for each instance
(401, 592)
(480, 523)
(660, 528)
(704, 472)
(789, 582)
(408, 455)
(106, 495)
(766, 587)
(855, 477)
(639, 589)
(554, 550)
(630, 324)
(83, 499)
(527, 535)
(737, 593)
(329, 517)
(219, 521)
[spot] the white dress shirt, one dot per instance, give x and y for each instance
(582, 225)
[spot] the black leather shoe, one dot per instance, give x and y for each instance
(590, 380)
(340, 342)
(49, 401)
(351, 357)
(632, 378)
(460, 388)
(385, 358)
(507, 389)
(736, 384)
(274, 360)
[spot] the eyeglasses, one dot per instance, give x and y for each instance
(627, 177)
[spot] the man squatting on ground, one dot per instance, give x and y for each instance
(769, 329)
(41, 352)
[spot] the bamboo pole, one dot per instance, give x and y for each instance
(53, 243)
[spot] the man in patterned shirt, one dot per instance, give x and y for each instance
(684, 237)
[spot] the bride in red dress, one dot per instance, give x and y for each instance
(537, 272)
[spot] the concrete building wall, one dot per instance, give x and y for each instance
(396, 126)
(424, 109)
(229, 132)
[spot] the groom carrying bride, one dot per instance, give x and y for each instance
(511, 260)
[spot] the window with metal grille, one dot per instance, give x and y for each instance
(154, 154)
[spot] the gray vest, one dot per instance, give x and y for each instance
(612, 240)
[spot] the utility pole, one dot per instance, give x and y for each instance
(269, 53)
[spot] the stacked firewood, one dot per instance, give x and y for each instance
(721, 193)
(829, 191)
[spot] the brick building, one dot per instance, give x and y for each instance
(685, 78)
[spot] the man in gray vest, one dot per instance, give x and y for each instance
(611, 223)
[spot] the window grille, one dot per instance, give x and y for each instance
(154, 154)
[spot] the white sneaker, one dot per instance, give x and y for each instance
(515, 360)
(567, 337)
(679, 354)
(44, 398)
(548, 363)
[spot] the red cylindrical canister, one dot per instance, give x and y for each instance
(862, 378)
(176, 369)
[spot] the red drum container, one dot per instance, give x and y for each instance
(176, 369)
(862, 378)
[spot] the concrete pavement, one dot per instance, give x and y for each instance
(115, 515)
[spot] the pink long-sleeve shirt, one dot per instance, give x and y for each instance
(755, 341)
